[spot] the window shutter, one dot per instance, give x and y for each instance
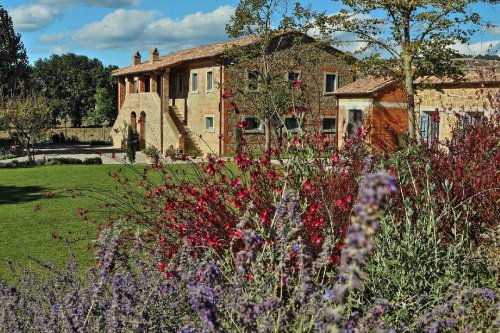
(424, 127)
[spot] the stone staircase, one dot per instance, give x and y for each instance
(190, 145)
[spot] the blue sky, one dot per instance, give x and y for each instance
(112, 29)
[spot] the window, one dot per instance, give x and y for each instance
(210, 81)
(194, 82)
(136, 85)
(330, 82)
(253, 125)
(355, 122)
(293, 76)
(329, 124)
(253, 80)
(180, 84)
(147, 84)
(429, 126)
(292, 124)
(471, 119)
(209, 124)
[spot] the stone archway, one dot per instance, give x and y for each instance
(142, 130)
(133, 121)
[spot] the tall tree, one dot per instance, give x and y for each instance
(29, 118)
(105, 109)
(408, 38)
(72, 80)
(14, 67)
(258, 72)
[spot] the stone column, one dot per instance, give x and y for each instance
(165, 88)
(154, 83)
(121, 92)
(130, 85)
(142, 84)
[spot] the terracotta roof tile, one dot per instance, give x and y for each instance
(371, 84)
(365, 86)
(177, 57)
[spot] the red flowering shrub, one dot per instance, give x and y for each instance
(210, 209)
(462, 172)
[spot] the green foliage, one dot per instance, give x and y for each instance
(151, 151)
(29, 117)
(269, 96)
(415, 262)
(416, 35)
(131, 143)
(105, 109)
(14, 67)
(72, 81)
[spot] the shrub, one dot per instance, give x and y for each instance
(63, 160)
(131, 144)
(92, 160)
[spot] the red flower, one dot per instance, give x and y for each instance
(265, 216)
(242, 125)
(335, 259)
(232, 106)
(307, 186)
(297, 84)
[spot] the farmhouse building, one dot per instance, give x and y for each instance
(177, 101)
(380, 105)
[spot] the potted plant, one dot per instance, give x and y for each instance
(153, 154)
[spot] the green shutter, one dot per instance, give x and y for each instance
(424, 127)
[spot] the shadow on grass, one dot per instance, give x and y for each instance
(19, 194)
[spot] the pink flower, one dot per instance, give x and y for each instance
(297, 84)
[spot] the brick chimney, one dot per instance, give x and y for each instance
(154, 55)
(136, 58)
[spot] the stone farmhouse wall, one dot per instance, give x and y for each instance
(385, 112)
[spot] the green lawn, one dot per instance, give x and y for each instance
(27, 230)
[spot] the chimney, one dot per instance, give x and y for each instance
(136, 58)
(154, 55)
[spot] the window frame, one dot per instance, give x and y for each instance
(433, 127)
(336, 83)
(212, 129)
(295, 130)
(332, 131)
(191, 90)
(349, 133)
(256, 71)
(259, 130)
(287, 75)
(212, 81)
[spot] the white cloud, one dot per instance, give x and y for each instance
(31, 18)
(142, 29)
(481, 48)
(118, 29)
(494, 30)
(93, 3)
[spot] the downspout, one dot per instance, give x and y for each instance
(161, 114)
(220, 107)
(337, 103)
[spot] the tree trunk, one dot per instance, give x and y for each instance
(408, 78)
(267, 130)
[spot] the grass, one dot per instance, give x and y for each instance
(28, 217)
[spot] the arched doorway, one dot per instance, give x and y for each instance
(133, 121)
(142, 130)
